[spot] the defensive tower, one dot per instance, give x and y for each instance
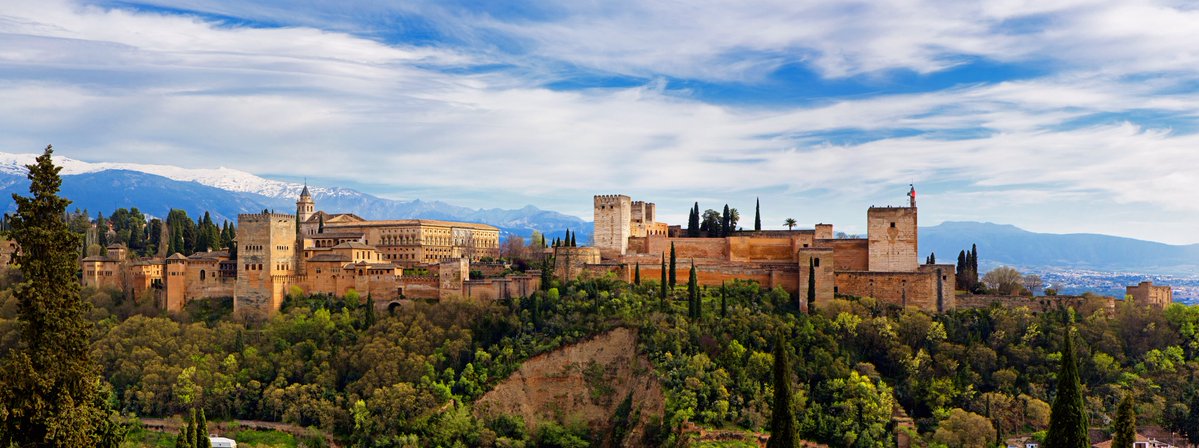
(613, 223)
(266, 257)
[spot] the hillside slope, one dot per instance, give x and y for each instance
(582, 382)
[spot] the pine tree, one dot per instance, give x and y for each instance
(1068, 416)
(202, 440)
(782, 419)
(49, 388)
(758, 214)
(811, 283)
(663, 284)
(673, 262)
(637, 275)
(1124, 428)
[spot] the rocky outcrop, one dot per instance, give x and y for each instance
(584, 382)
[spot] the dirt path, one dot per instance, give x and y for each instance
(172, 426)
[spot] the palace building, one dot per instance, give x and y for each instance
(317, 252)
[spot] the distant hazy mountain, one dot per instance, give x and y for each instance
(224, 192)
(1000, 244)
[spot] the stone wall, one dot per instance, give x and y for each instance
(569, 262)
(914, 289)
(501, 288)
(849, 254)
(893, 240)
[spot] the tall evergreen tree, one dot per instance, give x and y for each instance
(758, 214)
(782, 418)
(101, 232)
(663, 284)
(1190, 424)
(693, 222)
(811, 283)
(1124, 428)
(637, 275)
(1068, 416)
(673, 263)
(724, 308)
(369, 314)
(320, 224)
(974, 263)
(191, 429)
(202, 440)
(181, 440)
(49, 388)
(726, 222)
(573, 241)
(692, 294)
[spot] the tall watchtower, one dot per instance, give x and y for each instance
(613, 223)
(892, 237)
(266, 257)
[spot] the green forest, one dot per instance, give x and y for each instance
(374, 379)
(410, 376)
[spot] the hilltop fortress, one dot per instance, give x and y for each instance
(884, 265)
(318, 252)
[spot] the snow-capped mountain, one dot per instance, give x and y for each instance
(225, 192)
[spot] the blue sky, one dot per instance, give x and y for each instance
(1054, 115)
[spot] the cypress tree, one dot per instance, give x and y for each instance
(673, 263)
(49, 393)
(1068, 417)
(573, 242)
(692, 294)
(724, 308)
(974, 263)
(202, 440)
(1124, 429)
(811, 283)
(726, 221)
(782, 420)
(757, 214)
(181, 439)
(320, 224)
(637, 275)
(1190, 423)
(370, 316)
(191, 429)
(693, 222)
(663, 285)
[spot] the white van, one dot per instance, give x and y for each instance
(221, 442)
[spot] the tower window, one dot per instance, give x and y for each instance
(892, 225)
(816, 262)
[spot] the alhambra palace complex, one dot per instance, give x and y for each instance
(339, 253)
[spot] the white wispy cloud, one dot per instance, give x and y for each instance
(120, 85)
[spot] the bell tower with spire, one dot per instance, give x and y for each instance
(305, 207)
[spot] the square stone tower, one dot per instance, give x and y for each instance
(891, 234)
(613, 223)
(266, 260)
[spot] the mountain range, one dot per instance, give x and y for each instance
(225, 192)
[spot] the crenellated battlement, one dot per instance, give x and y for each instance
(261, 217)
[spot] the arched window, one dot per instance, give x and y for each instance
(201, 275)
